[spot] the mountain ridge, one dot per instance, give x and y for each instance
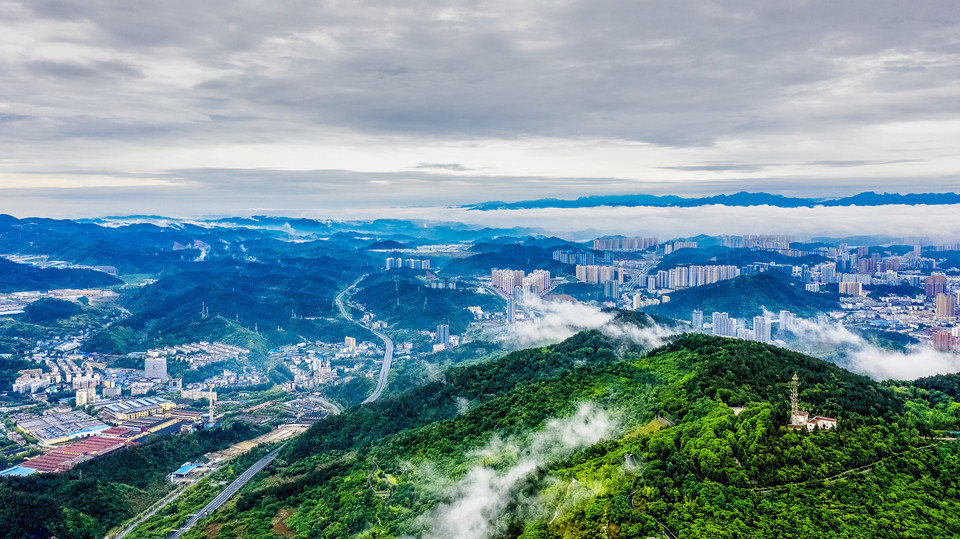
(742, 198)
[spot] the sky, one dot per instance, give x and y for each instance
(318, 107)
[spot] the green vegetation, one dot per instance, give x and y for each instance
(402, 300)
(717, 255)
(256, 306)
(745, 297)
(16, 277)
(97, 495)
(196, 497)
(48, 310)
(580, 291)
(512, 256)
(388, 469)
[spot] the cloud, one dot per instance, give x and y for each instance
(861, 356)
(472, 506)
(619, 95)
(78, 70)
(444, 166)
(555, 321)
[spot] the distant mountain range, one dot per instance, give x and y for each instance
(742, 198)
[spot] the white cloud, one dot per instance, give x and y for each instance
(861, 356)
(473, 504)
(558, 320)
(524, 96)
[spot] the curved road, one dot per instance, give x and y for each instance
(387, 346)
(228, 492)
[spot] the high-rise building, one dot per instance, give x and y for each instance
(935, 284)
(611, 289)
(828, 273)
(696, 319)
(637, 301)
(350, 342)
(724, 326)
(155, 367)
(443, 334)
(511, 311)
(788, 321)
(946, 306)
(944, 341)
(620, 243)
(537, 281)
(507, 279)
(851, 289)
(596, 274)
(761, 329)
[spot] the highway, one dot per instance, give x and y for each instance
(167, 500)
(387, 347)
(228, 492)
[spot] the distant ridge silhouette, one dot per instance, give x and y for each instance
(742, 198)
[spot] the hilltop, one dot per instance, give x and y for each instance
(513, 256)
(16, 277)
(747, 296)
(742, 198)
(597, 437)
(402, 300)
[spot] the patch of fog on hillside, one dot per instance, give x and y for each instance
(473, 506)
(861, 356)
(558, 320)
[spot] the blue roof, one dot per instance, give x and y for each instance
(187, 467)
(17, 470)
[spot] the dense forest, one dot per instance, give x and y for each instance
(596, 437)
(512, 256)
(16, 277)
(403, 301)
(747, 296)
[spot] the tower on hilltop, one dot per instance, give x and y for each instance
(794, 395)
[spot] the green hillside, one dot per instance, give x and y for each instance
(512, 256)
(50, 310)
(251, 305)
(16, 277)
(402, 300)
(595, 437)
(747, 296)
(718, 255)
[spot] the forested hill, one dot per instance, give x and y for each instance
(595, 437)
(16, 277)
(747, 296)
(401, 299)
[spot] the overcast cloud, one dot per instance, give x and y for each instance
(385, 103)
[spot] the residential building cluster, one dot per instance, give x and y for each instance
(690, 276)
(623, 243)
(582, 258)
(669, 248)
(762, 331)
(412, 263)
(199, 354)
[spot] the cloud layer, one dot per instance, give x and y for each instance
(555, 321)
(859, 355)
(440, 100)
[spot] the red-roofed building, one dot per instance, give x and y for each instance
(65, 457)
(120, 432)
